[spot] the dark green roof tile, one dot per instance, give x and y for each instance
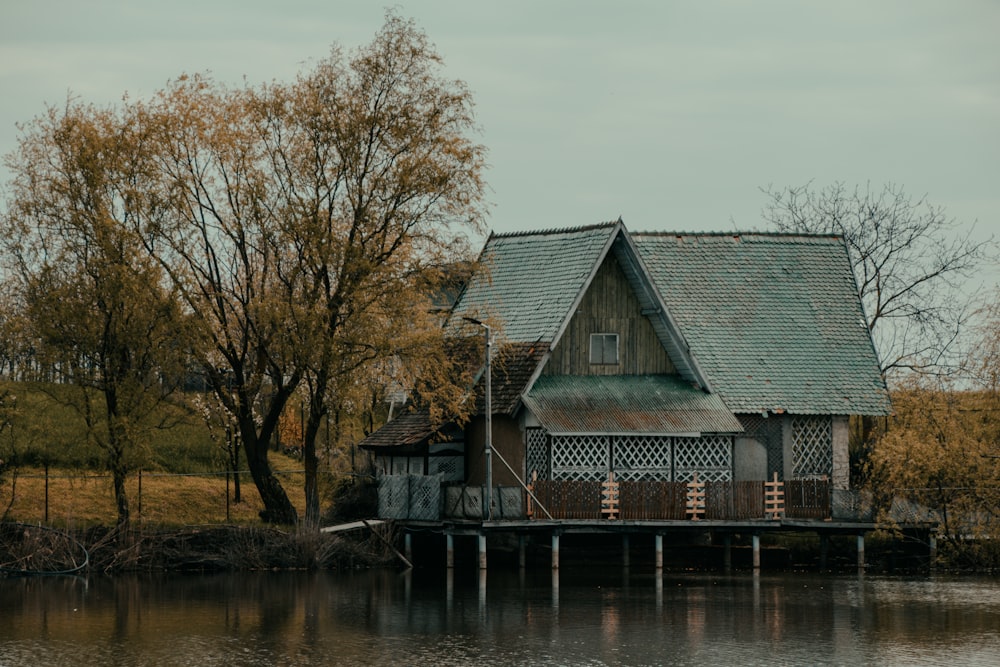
(774, 320)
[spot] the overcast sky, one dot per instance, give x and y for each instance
(669, 114)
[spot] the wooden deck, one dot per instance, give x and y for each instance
(547, 510)
(679, 501)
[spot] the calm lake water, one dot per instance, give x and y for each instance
(580, 617)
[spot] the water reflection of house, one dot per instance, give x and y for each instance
(654, 360)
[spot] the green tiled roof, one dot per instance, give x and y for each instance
(627, 404)
(774, 320)
(532, 280)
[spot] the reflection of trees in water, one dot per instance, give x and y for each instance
(595, 617)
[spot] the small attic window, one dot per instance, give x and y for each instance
(604, 348)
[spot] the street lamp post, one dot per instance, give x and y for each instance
(488, 448)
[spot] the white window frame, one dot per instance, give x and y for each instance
(602, 342)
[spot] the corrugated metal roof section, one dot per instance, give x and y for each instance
(773, 319)
(532, 280)
(627, 404)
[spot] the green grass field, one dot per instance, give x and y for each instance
(182, 479)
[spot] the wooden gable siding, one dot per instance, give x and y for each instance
(610, 306)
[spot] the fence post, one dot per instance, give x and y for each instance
(140, 493)
(46, 492)
(609, 497)
(695, 499)
(774, 498)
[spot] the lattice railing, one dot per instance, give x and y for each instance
(631, 458)
(580, 458)
(536, 444)
(642, 458)
(710, 457)
(812, 447)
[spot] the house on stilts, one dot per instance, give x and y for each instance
(646, 383)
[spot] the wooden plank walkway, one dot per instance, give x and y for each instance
(353, 525)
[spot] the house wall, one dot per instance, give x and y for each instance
(749, 459)
(841, 455)
(839, 461)
(508, 442)
(610, 306)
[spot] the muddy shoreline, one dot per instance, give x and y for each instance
(33, 550)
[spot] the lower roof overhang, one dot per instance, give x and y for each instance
(411, 433)
(648, 405)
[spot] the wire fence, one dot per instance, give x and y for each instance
(214, 497)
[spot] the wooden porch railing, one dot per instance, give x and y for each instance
(677, 501)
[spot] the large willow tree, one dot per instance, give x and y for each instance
(313, 222)
(376, 180)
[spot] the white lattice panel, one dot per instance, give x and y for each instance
(710, 456)
(579, 458)
(537, 448)
(642, 458)
(393, 497)
(425, 498)
(812, 447)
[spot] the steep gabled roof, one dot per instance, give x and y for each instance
(532, 279)
(774, 320)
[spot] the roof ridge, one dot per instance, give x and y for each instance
(557, 230)
(742, 234)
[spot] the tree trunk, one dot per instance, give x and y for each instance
(121, 498)
(233, 447)
(116, 453)
(277, 507)
(313, 422)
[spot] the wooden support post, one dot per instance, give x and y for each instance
(408, 545)
(555, 550)
(625, 551)
(659, 551)
(482, 551)
(861, 551)
(727, 552)
(824, 550)
(387, 543)
(449, 547)
(756, 551)
(522, 559)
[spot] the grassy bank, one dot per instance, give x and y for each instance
(71, 498)
(53, 471)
